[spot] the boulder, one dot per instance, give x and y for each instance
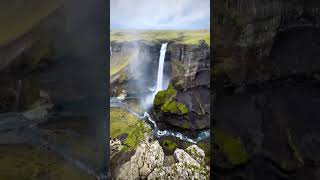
(147, 157)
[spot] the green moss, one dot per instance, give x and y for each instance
(169, 145)
(206, 148)
(174, 107)
(163, 96)
(224, 68)
(186, 125)
(123, 77)
(231, 147)
(135, 135)
(122, 122)
(179, 83)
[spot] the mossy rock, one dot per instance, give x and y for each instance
(186, 125)
(224, 68)
(206, 147)
(163, 96)
(231, 148)
(122, 122)
(169, 146)
(164, 99)
(174, 107)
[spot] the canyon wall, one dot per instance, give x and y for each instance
(185, 104)
(266, 83)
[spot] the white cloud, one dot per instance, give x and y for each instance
(160, 14)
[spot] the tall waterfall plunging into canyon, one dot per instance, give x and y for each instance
(160, 69)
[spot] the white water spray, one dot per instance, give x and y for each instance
(160, 69)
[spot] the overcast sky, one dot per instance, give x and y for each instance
(160, 14)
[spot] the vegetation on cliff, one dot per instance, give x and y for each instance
(122, 122)
(156, 36)
(165, 100)
(163, 96)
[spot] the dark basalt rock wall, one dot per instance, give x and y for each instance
(190, 77)
(266, 84)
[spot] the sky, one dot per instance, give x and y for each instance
(160, 14)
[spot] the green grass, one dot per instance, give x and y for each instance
(179, 36)
(119, 62)
(122, 122)
(19, 17)
(25, 162)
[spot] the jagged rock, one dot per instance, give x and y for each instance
(169, 160)
(179, 171)
(185, 168)
(196, 153)
(115, 147)
(148, 156)
(182, 157)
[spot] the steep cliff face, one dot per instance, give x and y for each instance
(134, 67)
(27, 43)
(245, 33)
(185, 104)
(29, 39)
(265, 78)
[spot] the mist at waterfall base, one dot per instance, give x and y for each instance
(144, 80)
(160, 84)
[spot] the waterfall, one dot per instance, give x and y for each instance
(160, 69)
(110, 51)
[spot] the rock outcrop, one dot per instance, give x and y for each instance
(147, 157)
(185, 104)
(149, 162)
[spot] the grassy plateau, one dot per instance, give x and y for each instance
(18, 18)
(179, 36)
